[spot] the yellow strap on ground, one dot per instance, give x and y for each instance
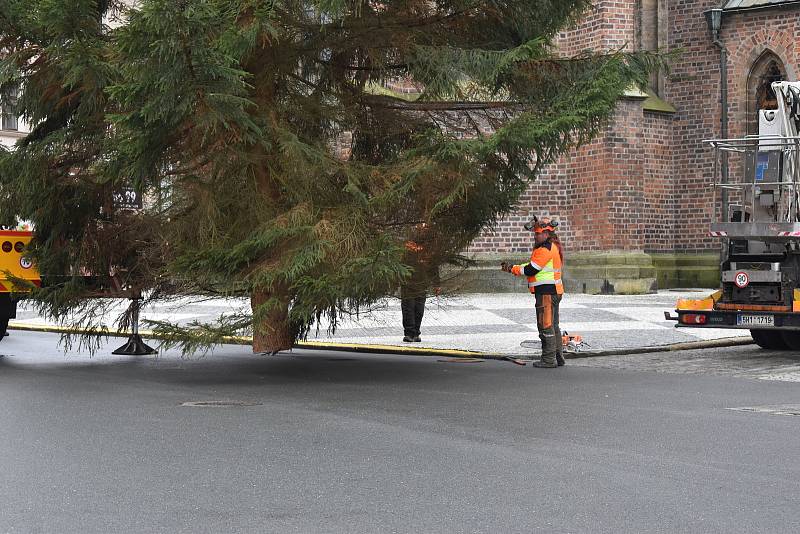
(246, 340)
(386, 348)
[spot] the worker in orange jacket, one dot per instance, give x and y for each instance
(544, 281)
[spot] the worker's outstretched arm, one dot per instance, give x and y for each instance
(526, 269)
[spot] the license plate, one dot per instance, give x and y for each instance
(755, 320)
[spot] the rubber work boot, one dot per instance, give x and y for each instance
(545, 365)
(560, 360)
(408, 339)
(416, 339)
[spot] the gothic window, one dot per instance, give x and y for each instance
(765, 96)
(767, 69)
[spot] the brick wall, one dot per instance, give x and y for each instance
(747, 38)
(597, 191)
(645, 184)
(658, 217)
(608, 25)
(613, 194)
(693, 88)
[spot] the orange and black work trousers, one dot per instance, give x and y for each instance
(547, 324)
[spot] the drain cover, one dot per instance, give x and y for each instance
(779, 409)
(219, 404)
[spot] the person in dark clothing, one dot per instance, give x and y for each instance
(414, 292)
(413, 308)
(8, 310)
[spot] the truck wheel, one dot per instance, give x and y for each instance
(767, 339)
(792, 339)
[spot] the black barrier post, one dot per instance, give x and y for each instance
(135, 345)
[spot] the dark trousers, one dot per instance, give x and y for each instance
(413, 309)
(8, 310)
(547, 324)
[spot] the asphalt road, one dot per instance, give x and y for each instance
(744, 362)
(336, 442)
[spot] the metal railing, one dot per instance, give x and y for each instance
(788, 187)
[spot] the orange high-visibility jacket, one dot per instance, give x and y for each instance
(543, 271)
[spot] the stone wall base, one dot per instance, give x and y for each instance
(687, 270)
(608, 273)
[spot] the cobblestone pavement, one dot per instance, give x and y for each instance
(481, 322)
(743, 362)
(500, 322)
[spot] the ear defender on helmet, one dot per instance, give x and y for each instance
(545, 224)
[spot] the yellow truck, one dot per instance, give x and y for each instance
(14, 265)
(759, 223)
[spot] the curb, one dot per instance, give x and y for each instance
(421, 351)
(245, 340)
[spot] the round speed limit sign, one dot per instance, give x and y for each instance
(742, 280)
(25, 263)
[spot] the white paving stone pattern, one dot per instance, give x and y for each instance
(496, 323)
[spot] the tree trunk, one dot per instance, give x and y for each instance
(272, 331)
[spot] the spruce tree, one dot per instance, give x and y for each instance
(274, 154)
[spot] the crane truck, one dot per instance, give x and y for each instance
(757, 183)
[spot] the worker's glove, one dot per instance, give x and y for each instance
(505, 267)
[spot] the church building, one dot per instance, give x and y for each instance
(635, 205)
